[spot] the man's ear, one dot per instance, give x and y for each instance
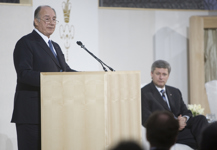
(151, 74)
(36, 22)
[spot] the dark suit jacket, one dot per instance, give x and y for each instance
(152, 101)
(158, 149)
(32, 56)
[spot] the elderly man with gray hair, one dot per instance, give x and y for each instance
(34, 53)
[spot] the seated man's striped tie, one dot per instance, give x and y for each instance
(163, 95)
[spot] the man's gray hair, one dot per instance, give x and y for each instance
(37, 10)
(161, 64)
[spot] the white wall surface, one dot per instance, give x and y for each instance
(16, 21)
(125, 39)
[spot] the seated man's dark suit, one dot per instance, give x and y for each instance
(32, 56)
(152, 101)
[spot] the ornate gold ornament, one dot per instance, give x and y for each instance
(66, 30)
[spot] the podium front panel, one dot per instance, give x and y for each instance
(124, 106)
(89, 110)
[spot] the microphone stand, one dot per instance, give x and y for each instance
(100, 61)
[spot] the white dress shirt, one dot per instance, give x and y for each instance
(159, 89)
(45, 38)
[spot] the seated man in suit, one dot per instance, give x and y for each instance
(158, 96)
(162, 129)
(34, 53)
(209, 137)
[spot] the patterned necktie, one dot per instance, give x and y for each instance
(51, 48)
(163, 95)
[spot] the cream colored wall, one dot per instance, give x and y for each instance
(125, 39)
(26, 1)
(16, 21)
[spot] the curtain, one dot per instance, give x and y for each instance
(210, 54)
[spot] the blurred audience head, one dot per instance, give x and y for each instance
(127, 145)
(209, 137)
(162, 129)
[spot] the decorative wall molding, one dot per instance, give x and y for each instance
(162, 4)
(10, 1)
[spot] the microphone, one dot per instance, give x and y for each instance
(100, 61)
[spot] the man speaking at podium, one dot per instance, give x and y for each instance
(34, 53)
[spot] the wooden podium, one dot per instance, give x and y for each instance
(89, 110)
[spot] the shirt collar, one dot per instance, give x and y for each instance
(159, 89)
(45, 38)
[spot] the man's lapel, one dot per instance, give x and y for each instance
(170, 99)
(45, 47)
(158, 97)
(59, 53)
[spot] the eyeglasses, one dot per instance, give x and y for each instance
(49, 20)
